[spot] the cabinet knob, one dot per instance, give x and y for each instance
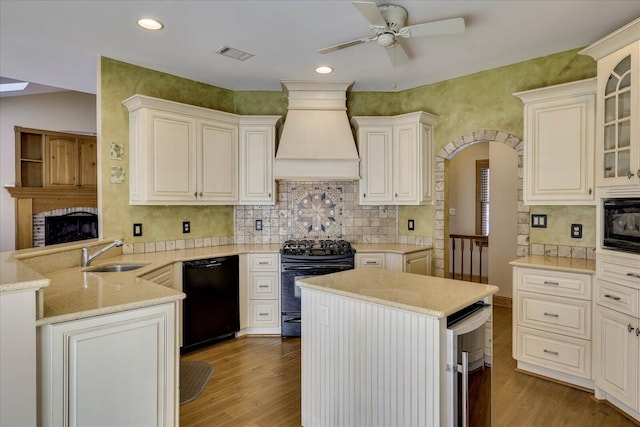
(200, 194)
(269, 195)
(630, 174)
(396, 194)
(195, 194)
(630, 328)
(364, 195)
(638, 332)
(590, 191)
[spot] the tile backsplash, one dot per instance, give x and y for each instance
(316, 210)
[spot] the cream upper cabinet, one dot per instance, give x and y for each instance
(396, 159)
(559, 130)
(257, 147)
(618, 109)
(186, 155)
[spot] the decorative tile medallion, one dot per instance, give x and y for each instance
(117, 151)
(117, 175)
(317, 211)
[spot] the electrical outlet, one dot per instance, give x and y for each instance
(452, 211)
(258, 225)
(324, 315)
(411, 224)
(137, 229)
(186, 227)
(576, 231)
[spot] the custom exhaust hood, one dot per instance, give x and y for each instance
(317, 142)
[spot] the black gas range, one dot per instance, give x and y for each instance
(307, 258)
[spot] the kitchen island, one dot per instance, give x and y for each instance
(374, 347)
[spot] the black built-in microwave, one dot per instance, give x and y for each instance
(621, 228)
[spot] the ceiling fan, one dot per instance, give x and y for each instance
(387, 22)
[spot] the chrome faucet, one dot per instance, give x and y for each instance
(86, 258)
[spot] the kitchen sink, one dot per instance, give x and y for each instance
(114, 268)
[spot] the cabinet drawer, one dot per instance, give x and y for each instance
(370, 260)
(625, 272)
(573, 285)
(555, 314)
(617, 297)
(264, 313)
(564, 354)
(263, 285)
(263, 262)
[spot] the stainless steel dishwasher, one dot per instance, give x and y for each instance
(212, 306)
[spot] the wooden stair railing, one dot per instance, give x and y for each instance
(479, 241)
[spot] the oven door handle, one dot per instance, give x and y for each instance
(293, 320)
(318, 267)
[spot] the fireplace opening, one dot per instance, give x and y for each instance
(70, 227)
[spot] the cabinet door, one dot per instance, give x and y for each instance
(376, 169)
(418, 263)
(87, 163)
(257, 185)
(171, 157)
(217, 162)
(559, 151)
(618, 116)
(125, 360)
(406, 168)
(616, 347)
(61, 161)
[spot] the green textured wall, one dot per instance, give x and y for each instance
(118, 82)
(475, 102)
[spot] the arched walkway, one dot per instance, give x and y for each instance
(441, 193)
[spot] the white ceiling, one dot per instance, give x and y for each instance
(58, 43)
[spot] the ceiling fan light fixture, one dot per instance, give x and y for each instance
(324, 69)
(150, 24)
(386, 39)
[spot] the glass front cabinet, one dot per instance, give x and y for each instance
(618, 112)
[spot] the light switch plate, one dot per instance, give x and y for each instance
(258, 225)
(137, 229)
(538, 220)
(186, 227)
(411, 224)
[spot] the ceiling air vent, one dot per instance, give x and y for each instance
(234, 53)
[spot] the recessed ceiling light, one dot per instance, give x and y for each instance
(150, 24)
(13, 87)
(324, 70)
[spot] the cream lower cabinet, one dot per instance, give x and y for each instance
(552, 324)
(263, 292)
(117, 369)
(396, 159)
(559, 129)
(415, 262)
(617, 332)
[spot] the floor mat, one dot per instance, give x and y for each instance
(194, 376)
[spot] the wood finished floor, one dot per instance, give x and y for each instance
(256, 383)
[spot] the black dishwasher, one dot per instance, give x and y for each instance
(211, 310)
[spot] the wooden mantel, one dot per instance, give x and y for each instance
(33, 200)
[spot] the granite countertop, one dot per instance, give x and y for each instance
(70, 293)
(433, 296)
(571, 265)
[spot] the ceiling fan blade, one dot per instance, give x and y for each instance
(345, 45)
(397, 54)
(446, 26)
(371, 13)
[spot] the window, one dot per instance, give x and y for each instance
(482, 197)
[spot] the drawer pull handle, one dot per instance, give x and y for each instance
(263, 286)
(629, 328)
(634, 275)
(371, 262)
(548, 282)
(555, 353)
(263, 314)
(551, 314)
(263, 262)
(613, 297)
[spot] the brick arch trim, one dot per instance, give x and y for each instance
(441, 193)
